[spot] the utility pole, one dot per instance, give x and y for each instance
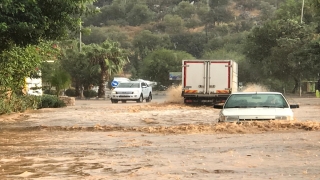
(80, 36)
(302, 7)
(301, 21)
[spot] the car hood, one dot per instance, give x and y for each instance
(126, 89)
(258, 113)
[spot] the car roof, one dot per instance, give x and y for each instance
(257, 92)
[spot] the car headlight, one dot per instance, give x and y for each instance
(135, 92)
(114, 92)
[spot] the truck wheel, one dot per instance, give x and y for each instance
(114, 101)
(124, 101)
(149, 98)
(140, 100)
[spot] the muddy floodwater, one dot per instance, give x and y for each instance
(99, 140)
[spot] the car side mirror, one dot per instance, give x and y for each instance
(218, 106)
(294, 106)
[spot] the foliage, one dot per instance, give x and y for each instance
(159, 63)
(216, 3)
(90, 93)
(173, 24)
(146, 42)
(18, 103)
(60, 80)
(51, 101)
(19, 63)
(110, 58)
(50, 92)
(71, 93)
(99, 35)
(192, 43)
(232, 42)
(77, 64)
(29, 22)
(274, 49)
(185, 9)
(139, 14)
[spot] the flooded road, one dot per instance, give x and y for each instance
(99, 140)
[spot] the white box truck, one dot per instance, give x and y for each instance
(208, 81)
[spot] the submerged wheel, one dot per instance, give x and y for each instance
(140, 99)
(149, 98)
(114, 101)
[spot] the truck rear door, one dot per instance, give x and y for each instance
(194, 76)
(219, 77)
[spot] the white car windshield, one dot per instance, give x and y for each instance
(256, 100)
(129, 85)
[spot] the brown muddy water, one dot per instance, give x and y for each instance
(162, 140)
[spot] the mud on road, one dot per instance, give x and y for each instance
(99, 140)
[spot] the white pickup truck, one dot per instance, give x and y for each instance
(131, 91)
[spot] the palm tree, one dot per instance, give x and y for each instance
(111, 59)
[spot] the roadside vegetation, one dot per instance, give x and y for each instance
(274, 43)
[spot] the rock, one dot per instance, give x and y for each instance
(70, 101)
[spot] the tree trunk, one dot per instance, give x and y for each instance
(102, 80)
(296, 85)
(79, 89)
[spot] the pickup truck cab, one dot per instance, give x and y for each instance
(131, 91)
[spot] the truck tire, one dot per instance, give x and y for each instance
(114, 101)
(149, 98)
(140, 100)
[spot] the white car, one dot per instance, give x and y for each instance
(131, 91)
(37, 92)
(244, 106)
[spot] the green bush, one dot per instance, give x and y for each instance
(90, 93)
(50, 92)
(18, 103)
(51, 101)
(71, 93)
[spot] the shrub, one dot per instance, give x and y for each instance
(71, 93)
(90, 93)
(18, 103)
(51, 101)
(50, 92)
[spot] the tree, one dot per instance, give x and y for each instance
(174, 24)
(273, 48)
(139, 14)
(110, 58)
(159, 63)
(82, 72)
(216, 3)
(146, 41)
(24, 22)
(185, 9)
(60, 79)
(19, 63)
(192, 43)
(100, 34)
